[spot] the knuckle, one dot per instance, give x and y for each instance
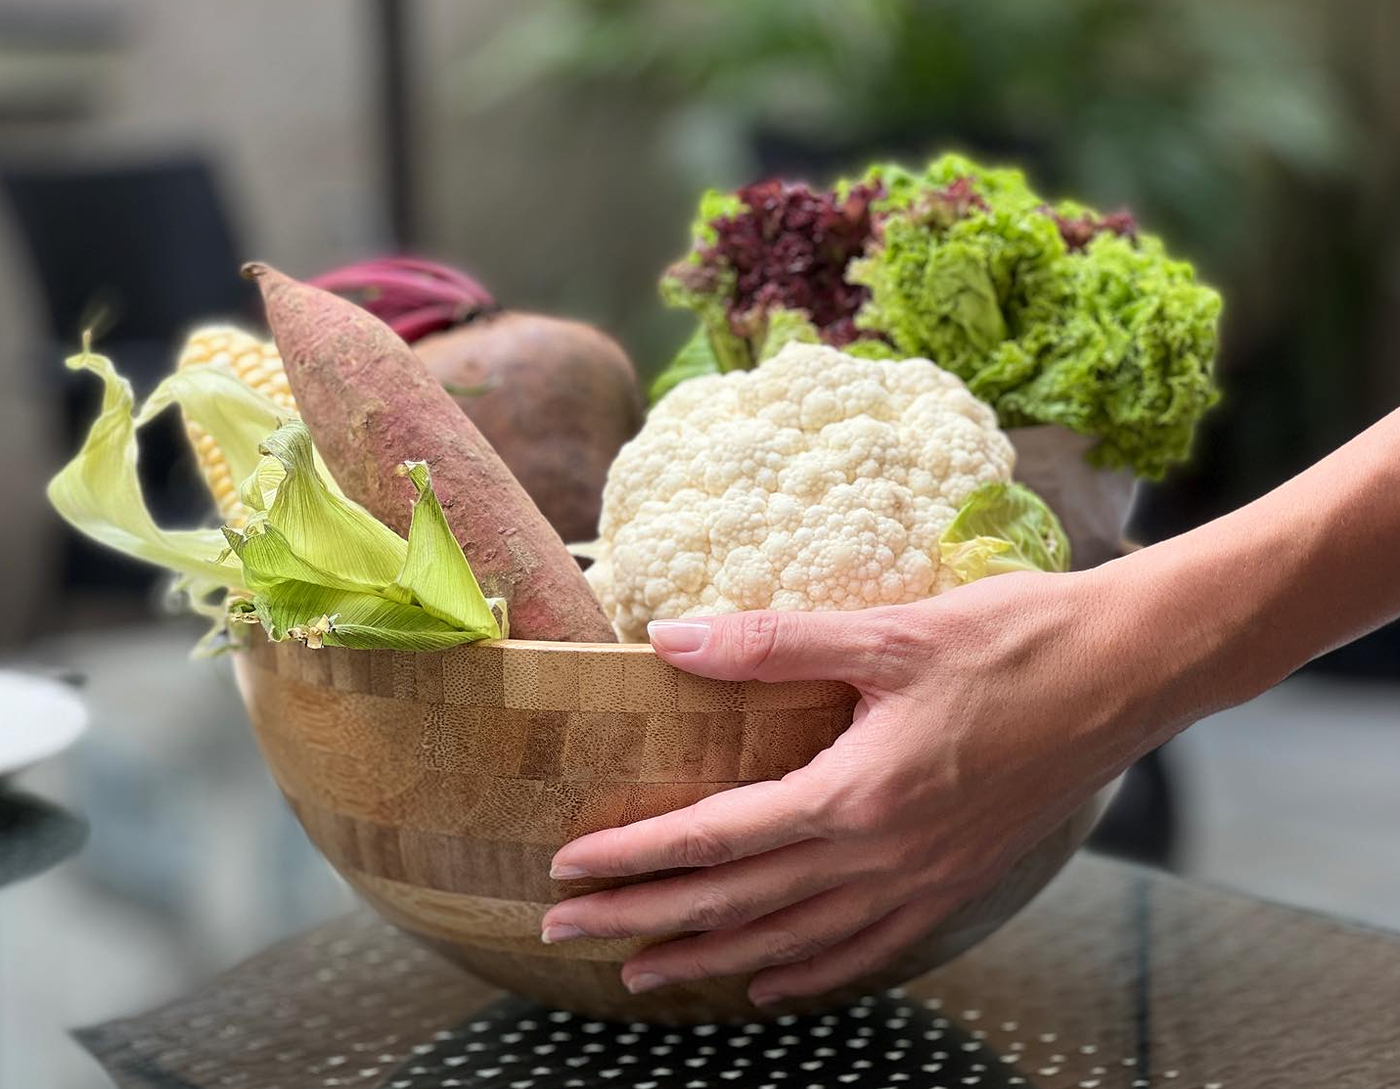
(702, 846)
(697, 964)
(601, 915)
(755, 637)
(908, 854)
(710, 910)
(859, 813)
(957, 868)
(785, 946)
(901, 635)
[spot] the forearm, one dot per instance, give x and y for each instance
(1233, 607)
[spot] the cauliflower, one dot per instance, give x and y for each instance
(816, 481)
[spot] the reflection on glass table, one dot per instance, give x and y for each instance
(1115, 978)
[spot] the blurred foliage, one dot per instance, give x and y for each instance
(1187, 110)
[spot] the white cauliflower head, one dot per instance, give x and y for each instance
(815, 481)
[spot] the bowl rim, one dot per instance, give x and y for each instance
(559, 646)
(548, 646)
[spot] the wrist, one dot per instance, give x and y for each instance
(1209, 616)
(1180, 621)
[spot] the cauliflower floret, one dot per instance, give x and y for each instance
(816, 481)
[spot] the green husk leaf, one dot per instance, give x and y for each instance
(1000, 528)
(99, 493)
(310, 564)
(325, 571)
(324, 616)
(435, 572)
(322, 527)
(269, 559)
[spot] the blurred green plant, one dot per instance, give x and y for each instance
(1187, 110)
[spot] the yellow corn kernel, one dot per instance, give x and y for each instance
(255, 363)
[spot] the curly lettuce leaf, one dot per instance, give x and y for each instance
(714, 204)
(1107, 337)
(766, 267)
(688, 285)
(784, 326)
(1000, 528)
(873, 348)
(1128, 357)
(705, 292)
(951, 271)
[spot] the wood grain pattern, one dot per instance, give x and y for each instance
(440, 784)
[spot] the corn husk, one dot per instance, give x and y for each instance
(307, 562)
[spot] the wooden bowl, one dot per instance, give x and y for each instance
(440, 784)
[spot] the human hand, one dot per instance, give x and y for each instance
(987, 716)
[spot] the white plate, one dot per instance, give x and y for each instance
(39, 718)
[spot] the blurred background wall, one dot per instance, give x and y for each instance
(266, 107)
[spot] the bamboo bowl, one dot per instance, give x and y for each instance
(440, 784)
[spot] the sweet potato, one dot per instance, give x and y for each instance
(555, 398)
(518, 375)
(370, 405)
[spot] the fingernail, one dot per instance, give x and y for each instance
(565, 872)
(560, 932)
(761, 1000)
(678, 636)
(644, 981)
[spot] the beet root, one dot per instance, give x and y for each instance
(371, 404)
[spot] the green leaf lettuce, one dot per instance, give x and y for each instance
(1001, 528)
(1110, 339)
(1050, 312)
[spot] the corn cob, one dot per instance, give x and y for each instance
(255, 363)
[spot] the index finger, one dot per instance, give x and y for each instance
(732, 824)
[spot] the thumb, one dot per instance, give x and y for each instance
(769, 646)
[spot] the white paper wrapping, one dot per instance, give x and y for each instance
(1093, 504)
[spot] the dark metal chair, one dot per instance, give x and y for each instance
(138, 252)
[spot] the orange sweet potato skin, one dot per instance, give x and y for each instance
(370, 405)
